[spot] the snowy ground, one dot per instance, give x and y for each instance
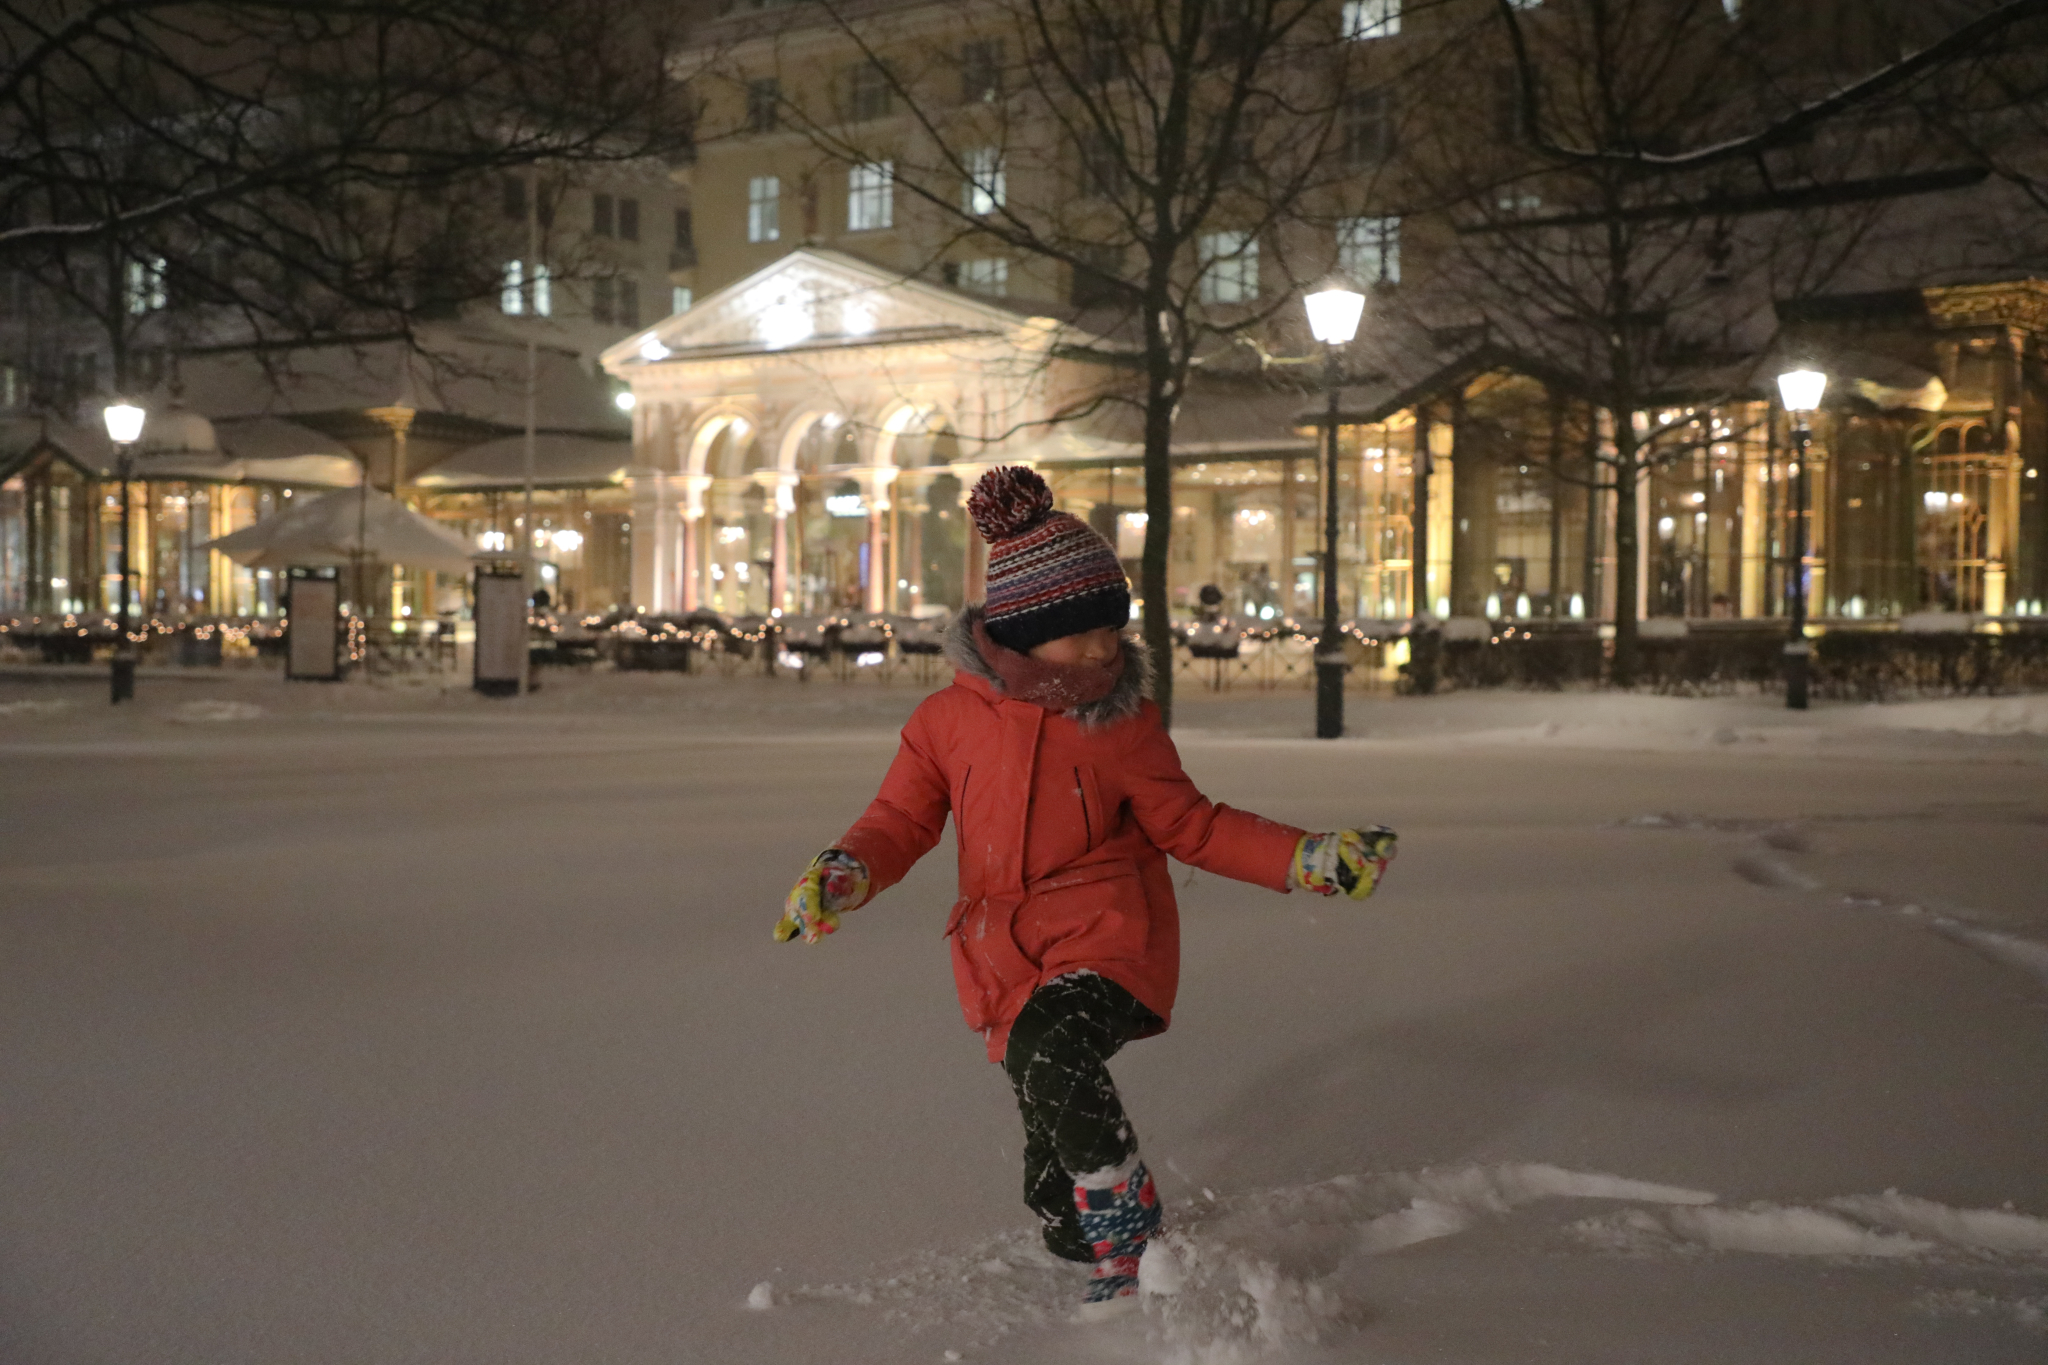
(370, 1026)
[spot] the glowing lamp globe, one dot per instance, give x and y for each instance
(1333, 314)
(1802, 389)
(124, 423)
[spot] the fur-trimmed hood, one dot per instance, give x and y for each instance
(1122, 703)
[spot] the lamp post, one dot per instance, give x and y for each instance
(1333, 313)
(124, 428)
(1801, 391)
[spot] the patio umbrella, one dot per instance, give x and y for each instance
(336, 529)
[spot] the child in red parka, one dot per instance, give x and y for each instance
(1067, 796)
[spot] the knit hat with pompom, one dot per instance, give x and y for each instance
(1049, 574)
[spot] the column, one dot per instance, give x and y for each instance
(875, 481)
(1755, 526)
(2001, 531)
(784, 504)
(693, 546)
(974, 576)
(1442, 483)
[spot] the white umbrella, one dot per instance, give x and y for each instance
(336, 529)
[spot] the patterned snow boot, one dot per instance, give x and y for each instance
(1119, 1210)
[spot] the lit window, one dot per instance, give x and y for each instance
(543, 290)
(512, 293)
(680, 299)
(1230, 267)
(1369, 249)
(764, 208)
(987, 185)
(1371, 19)
(146, 292)
(986, 277)
(870, 196)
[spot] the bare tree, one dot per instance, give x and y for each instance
(1177, 165)
(1653, 174)
(312, 168)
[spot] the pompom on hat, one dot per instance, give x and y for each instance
(1049, 574)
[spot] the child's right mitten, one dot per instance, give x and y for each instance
(835, 881)
(1347, 862)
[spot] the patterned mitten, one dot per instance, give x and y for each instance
(1116, 1220)
(1349, 861)
(836, 881)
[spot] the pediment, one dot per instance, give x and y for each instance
(810, 299)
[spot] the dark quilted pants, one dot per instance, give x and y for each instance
(1057, 1060)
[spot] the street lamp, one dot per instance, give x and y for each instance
(1333, 313)
(124, 428)
(1801, 391)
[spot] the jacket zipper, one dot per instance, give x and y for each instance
(1087, 825)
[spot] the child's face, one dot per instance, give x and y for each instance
(1097, 646)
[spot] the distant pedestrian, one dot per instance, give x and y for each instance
(1067, 796)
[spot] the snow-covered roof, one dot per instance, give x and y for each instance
(560, 461)
(464, 373)
(815, 298)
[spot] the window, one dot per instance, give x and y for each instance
(764, 208)
(601, 214)
(1365, 19)
(1367, 132)
(984, 277)
(867, 91)
(686, 232)
(629, 220)
(986, 189)
(1101, 58)
(1518, 202)
(514, 197)
(1096, 278)
(146, 290)
(512, 289)
(981, 71)
(626, 296)
(764, 104)
(601, 298)
(870, 196)
(1230, 267)
(680, 298)
(1369, 249)
(1102, 170)
(543, 290)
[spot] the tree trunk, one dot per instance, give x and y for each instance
(1626, 472)
(1160, 397)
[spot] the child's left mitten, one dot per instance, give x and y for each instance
(1348, 862)
(836, 881)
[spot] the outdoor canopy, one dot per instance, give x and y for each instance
(322, 532)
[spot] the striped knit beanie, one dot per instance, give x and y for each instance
(1049, 574)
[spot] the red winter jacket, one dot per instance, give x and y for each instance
(1063, 831)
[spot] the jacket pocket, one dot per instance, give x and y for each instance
(1094, 913)
(1097, 820)
(991, 974)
